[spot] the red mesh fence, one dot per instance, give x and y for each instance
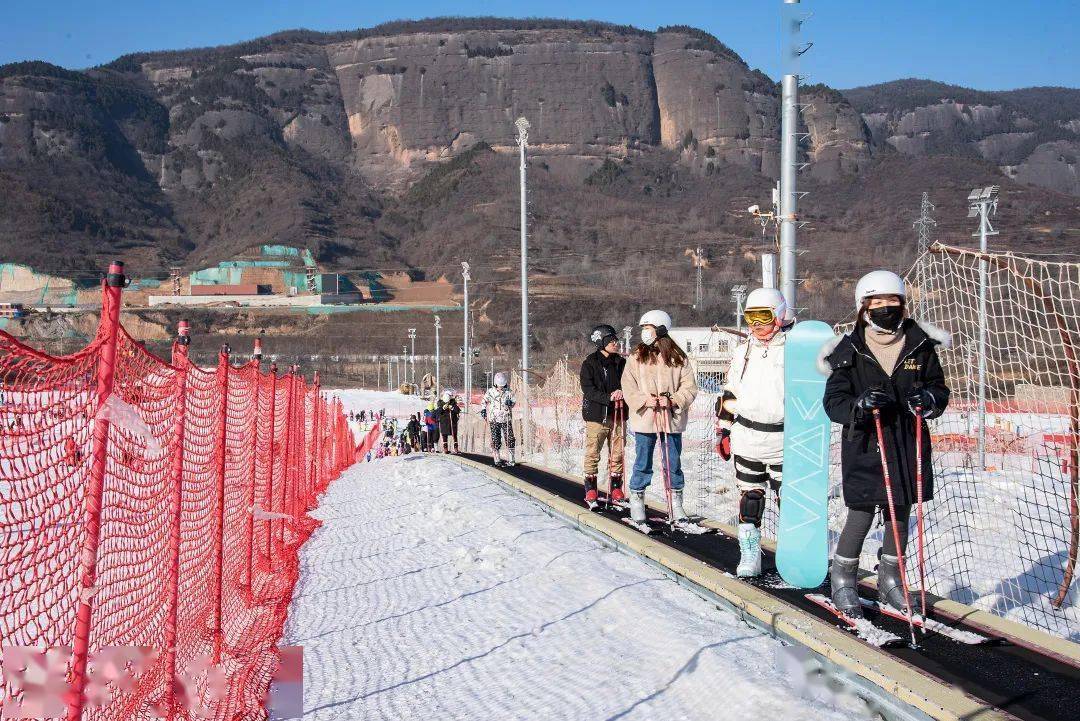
(151, 514)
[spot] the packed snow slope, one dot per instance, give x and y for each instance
(433, 591)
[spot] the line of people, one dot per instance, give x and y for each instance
(886, 367)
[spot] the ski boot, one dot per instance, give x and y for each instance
(844, 578)
(496, 459)
(677, 512)
(617, 497)
(637, 507)
(511, 462)
(749, 551)
(890, 589)
(590, 492)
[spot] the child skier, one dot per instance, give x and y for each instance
(431, 429)
(496, 409)
(601, 396)
(886, 370)
(448, 411)
(750, 413)
(658, 387)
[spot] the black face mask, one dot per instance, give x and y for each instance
(888, 317)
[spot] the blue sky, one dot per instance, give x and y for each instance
(993, 44)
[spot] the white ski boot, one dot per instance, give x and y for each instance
(511, 462)
(677, 512)
(637, 506)
(496, 459)
(749, 550)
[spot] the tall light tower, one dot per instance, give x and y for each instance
(626, 339)
(412, 353)
(738, 295)
(697, 258)
(923, 226)
(789, 152)
(467, 359)
(522, 126)
(438, 377)
(982, 203)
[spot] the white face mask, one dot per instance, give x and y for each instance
(648, 336)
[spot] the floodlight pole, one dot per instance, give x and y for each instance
(523, 139)
(789, 197)
(467, 360)
(738, 294)
(626, 336)
(984, 205)
(438, 375)
(412, 353)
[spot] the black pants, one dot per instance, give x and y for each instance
(859, 521)
(499, 429)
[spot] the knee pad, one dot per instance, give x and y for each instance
(752, 506)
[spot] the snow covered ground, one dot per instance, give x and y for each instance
(432, 591)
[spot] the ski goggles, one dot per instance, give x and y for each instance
(759, 316)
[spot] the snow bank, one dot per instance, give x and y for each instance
(433, 591)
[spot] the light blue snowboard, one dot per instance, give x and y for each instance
(802, 542)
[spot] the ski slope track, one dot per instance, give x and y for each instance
(1001, 677)
(434, 591)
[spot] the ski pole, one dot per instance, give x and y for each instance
(892, 518)
(611, 461)
(661, 435)
(919, 511)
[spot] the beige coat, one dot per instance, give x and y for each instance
(642, 381)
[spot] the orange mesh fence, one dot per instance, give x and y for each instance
(151, 514)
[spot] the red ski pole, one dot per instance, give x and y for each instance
(616, 428)
(892, 518)
(919, 510)
(661, 436)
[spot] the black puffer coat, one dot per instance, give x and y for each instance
(854, 370)
(600, 377)
(447, 414)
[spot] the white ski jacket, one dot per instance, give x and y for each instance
(497, 404)
(756, 379)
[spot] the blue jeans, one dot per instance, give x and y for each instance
(644, 443)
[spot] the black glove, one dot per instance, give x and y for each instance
(873, 399)
(922, 399)
(483, 413)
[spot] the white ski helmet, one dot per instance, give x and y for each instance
(447, 395)
(878, 282)
(500, 380)
(770, 298)
(658, 318)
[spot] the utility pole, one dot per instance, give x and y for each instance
(467, 357)
(412, 354)
(438, 376)
(923, 226)
(523, 139)
(626, 339)
(982, 203)
(789, 155)
(738, 294)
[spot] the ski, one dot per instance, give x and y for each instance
(968, 638)
(644, 527)
(864, 628)
(593, 505)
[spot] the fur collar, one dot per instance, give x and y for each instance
(934, 333)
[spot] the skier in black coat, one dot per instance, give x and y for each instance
(888, 363)
(447, 413)
(601, 388)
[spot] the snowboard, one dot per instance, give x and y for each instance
(802, 540)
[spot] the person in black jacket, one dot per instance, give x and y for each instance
(447, 413)
(888, 364)
(601, 390)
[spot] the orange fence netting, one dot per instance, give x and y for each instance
(151, 514)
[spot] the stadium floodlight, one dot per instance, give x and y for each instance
(982, 203)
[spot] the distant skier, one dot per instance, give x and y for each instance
(601, 391)
(413, 430)
(431, 428)
(657, 376)
(888, 364)
(497, 410)
(448, 411)
(751, 415)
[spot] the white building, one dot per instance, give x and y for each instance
(710, 349)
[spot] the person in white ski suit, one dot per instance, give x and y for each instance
(497, 408)
(750, 414)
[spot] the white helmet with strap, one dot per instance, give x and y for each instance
(500, 380)
(878, 282)
(657, 318)
(770, 298)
